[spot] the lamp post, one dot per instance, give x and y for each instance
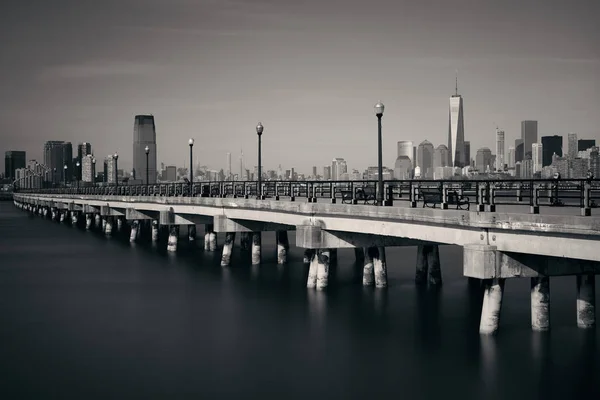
(116, 157)
(65, 175)
(93, 172)
(78, 177)
(259, 131)
(379, 107)
(191, 143)
(54, 177)
(147, 149)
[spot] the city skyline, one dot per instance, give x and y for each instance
(214, 76)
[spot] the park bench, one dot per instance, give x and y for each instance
(433, 196)
(365, 195)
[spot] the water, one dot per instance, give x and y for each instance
(82, 316)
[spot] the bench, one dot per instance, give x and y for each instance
(366, 195)
(433, 196)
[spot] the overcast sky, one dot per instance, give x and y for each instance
(311, 71)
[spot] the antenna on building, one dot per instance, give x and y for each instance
(456, 82)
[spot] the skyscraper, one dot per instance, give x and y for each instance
(425, 159)
(13, 160)
(584, 144)
(405, 148)
(228, 165)
(87, 168)
(338, 167)
(440, 156)
(529, 134)
(519, 150)
(110, 169)
(83, 149)
(483, 160)
(572, 144)
(499, 150)
(144, 134)
(537, 157)
(456, 130)
(467, 153)
(511, 157)
(551, 145)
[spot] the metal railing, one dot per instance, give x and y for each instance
(484, 194)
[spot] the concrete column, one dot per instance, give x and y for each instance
(62, 216)
(540, 303)
(173, 237)
(45, 212)
(368, 274)
(256, 242)
(119, 224)
(314, 266)
(135, 226)
(308, 256)
(88, 221)
(104, 224)
(208, 230)
(227, 249)
(192, 233)
(154, 231)
(492, 303)
(323, 268)
(108, 228)
(379, 266)
(283, 246)
(359, 254)
(586, 301)
(433, 264)
(98, 220)
(421, 273)
(74, 218)
(54, 214)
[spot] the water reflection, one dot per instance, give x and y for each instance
(427, 316)
(488, 363)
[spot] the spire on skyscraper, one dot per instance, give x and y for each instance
(456, 83)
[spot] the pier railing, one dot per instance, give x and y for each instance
(482, 194)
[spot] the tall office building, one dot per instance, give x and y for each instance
(228, 166)
(327, 172)
(68, 161)
(87, 168)
(519, 150)
(83, 149)
(110, 169)
(529, 134)
(425, 159)
(338, 167)
(483, 160)
(499, 150)
(456, 131)
(440, 156)
(584, 144)
(13, 160)
(405, 148)
(467, 153)
(57, 154)
(314, 171)
(537, 157)
(572, 145)
(144, 134)
(551, 145)
(511, 157)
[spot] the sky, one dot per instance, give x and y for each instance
(310, 71)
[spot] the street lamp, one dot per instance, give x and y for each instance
(54, 178)
(259, 131)
(93, 172)
(78, 177)
(65, 175)
(191, 143)
(379, 107)
(147, 149)
(116, 157)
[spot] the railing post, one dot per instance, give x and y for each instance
(444, 195)
(389, 201)
(480, 196)
(412, 194)
(586, 210)
(519, 194)
(491, 204)
(534, 203)
(332, 192)
(292, 193)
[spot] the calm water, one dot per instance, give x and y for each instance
(82, 316)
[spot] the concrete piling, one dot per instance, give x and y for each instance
(245, 241)
(492, 304)
(74, 218)
(210, 238)
(312, 271)
(368, 269)
(192, 233)
(323, 260)
(62, 216)
(119, 224)
(540, 303)
(586, 301)
(135, 226)
(283, 246)
(433, 264)
(107, 222)
(308, 256)
(227, 249)
(98, 221)
(88, 221)
(154, 231)
(421, 272)
(379, 266)
(256, 245)
(173, 238)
